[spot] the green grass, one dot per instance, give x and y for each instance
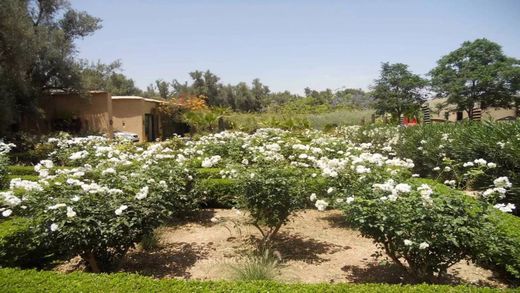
(14, 280)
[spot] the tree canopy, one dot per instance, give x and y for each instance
(477, 73)
(398, 90)
(37, 52)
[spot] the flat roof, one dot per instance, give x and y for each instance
(136, 98)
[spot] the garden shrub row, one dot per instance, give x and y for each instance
(501, 251)
(19, 245)
(14, 280)
(21, 170)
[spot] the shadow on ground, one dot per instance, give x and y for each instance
(299, 248)
(173, 260)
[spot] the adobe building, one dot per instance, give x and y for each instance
(137, 115)
(97, 113)
(439, 111)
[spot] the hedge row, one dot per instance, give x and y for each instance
(14, 280)
(17, 244)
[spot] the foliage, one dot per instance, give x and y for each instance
(37, 281)
(270, 195)
(260, 266)
(37, 53)
(477, 74)
(398, 91)
(428, 229)
(107, 77)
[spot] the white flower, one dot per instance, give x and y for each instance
(501, 144)
(330, 190)
(10, 199)
(450, 182)
(468, 164)
(480, 162)
(321, 205)
(491, 165)
(415, 175)
(245, 162)
(350, 199)
(502, 182)
(362, 169)
(210, 162)
(447, 169)
(54, 227)
(408, 242)
(403, 188)
(108, 171)
(436, 169)
(7, 213)
(70, 212)
(142, 194)
(120, 210)
(505, 208)
(339, 200)
(423, 245)
(313, 197)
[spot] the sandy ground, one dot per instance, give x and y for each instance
(314, 246)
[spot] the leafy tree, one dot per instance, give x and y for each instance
(163, 87)
(99, 76)
(37, 52)
(477, 72)
(398, 90)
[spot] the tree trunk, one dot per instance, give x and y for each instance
(90, 258)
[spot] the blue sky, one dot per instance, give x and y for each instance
(290, 44)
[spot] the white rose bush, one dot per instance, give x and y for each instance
(97, 198)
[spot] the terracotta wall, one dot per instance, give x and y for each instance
(487, 114)
(93, 110)
(128, 115)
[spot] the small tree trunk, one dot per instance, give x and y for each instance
(90, 258)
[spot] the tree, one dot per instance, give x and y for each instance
(163, 87)
(398, 91)
(37, 52)
(477, 73)
(99, 76)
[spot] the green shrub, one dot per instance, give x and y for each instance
(19, 246)
(21, 170)
(3, 171)
(270, 194)
(13, 280)
(216, 192)
(262, 265)
(429, 228)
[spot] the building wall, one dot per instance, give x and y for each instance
(487, 114)
(129, 116)
(94, 112)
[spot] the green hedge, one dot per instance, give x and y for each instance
(216, 192)
(16, 242)
(21, 170)
(14, 280)
(24, 177)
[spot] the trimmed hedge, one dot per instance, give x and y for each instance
(16, 245)
(24, 177)
(217, 192)
(21, 170)
(14, 280)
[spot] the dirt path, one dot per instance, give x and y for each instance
(315, 247)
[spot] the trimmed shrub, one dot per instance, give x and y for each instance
(19, 246)
(13, 280)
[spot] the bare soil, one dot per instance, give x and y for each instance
(314, 247)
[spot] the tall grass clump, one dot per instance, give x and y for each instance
(262, 265)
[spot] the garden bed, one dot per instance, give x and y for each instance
(315, 247)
